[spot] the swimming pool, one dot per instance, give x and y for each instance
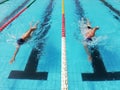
(42, 54)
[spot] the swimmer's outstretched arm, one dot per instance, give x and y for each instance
(15, 53)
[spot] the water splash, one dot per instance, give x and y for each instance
(8, 38)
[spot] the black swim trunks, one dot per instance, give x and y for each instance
(20, 41)
(88, 39)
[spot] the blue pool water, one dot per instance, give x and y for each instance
(42, 54)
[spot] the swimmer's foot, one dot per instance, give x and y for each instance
(12, 60)
(35, 26)
(90, 58)
(37, 23)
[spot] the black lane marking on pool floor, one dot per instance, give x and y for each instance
(13, 13)
(31, 66)
(100, 73)
(79, 9)
(113, 9)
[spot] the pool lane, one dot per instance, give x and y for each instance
(100, 72)
(97, 63)
(99, 15)
(31, 66)
(22, 56)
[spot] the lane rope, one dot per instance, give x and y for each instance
(64, 76)
(12, 19)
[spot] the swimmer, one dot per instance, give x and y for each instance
(90, 32)
(23, 39)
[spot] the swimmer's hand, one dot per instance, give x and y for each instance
(97, 27)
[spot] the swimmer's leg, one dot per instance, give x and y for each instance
(88, 52)
(28, 33)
